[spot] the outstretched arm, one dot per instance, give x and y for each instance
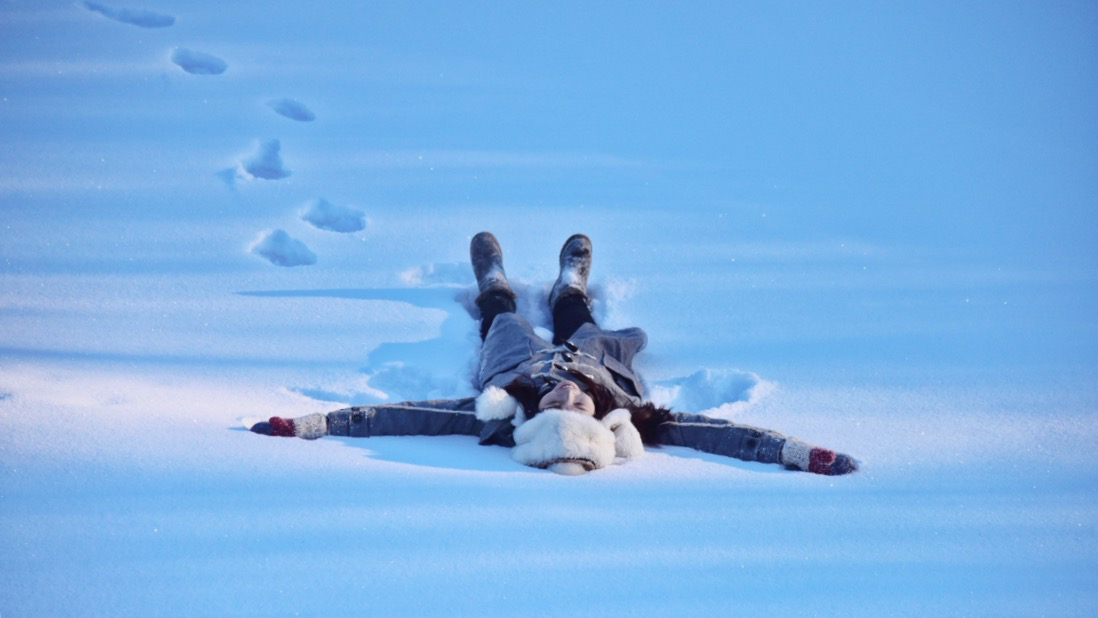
(722, 437)
(413, 418)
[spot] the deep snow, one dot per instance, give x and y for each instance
(869, 227)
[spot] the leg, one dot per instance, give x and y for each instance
(495, 296)
(491, 304)
(568, 300)
(569, 314)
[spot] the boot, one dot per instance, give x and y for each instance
(575, 265)
(487, 259)
(495, 296)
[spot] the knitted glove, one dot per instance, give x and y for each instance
(804, 456)
(308, 427)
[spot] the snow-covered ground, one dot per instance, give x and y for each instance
(869, 227)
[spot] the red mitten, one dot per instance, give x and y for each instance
(308, 427)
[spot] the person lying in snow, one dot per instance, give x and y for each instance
(571, 405)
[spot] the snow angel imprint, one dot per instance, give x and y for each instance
(571, 405)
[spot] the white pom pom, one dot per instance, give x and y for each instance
(627, 440)
(495, 404)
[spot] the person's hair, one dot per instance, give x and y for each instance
(646, 417)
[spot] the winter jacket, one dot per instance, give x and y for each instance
(458, 417)
(512, 349)
(442, 417)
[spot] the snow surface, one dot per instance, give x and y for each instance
(870, 226)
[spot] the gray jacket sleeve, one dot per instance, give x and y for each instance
(438, 417)
(722, 437)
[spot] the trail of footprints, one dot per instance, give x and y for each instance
(265, 162)
(706, 389)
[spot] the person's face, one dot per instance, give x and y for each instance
(567, 396)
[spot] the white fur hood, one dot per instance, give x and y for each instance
(561, 440)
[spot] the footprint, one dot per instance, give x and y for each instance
(278, 248)
(266, 162)
(135, 17)
(325, 215)
(294, 110)
(198, 63)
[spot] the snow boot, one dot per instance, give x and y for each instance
(487, 259)
(575, 265)
(496, 295)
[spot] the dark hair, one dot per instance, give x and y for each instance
(646, 417)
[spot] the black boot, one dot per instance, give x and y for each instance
(495, 296)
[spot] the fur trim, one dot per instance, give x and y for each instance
(796, 453)
(312, 426)
(495, 404)
(627, 440)
(569, 468)
(559, 436)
